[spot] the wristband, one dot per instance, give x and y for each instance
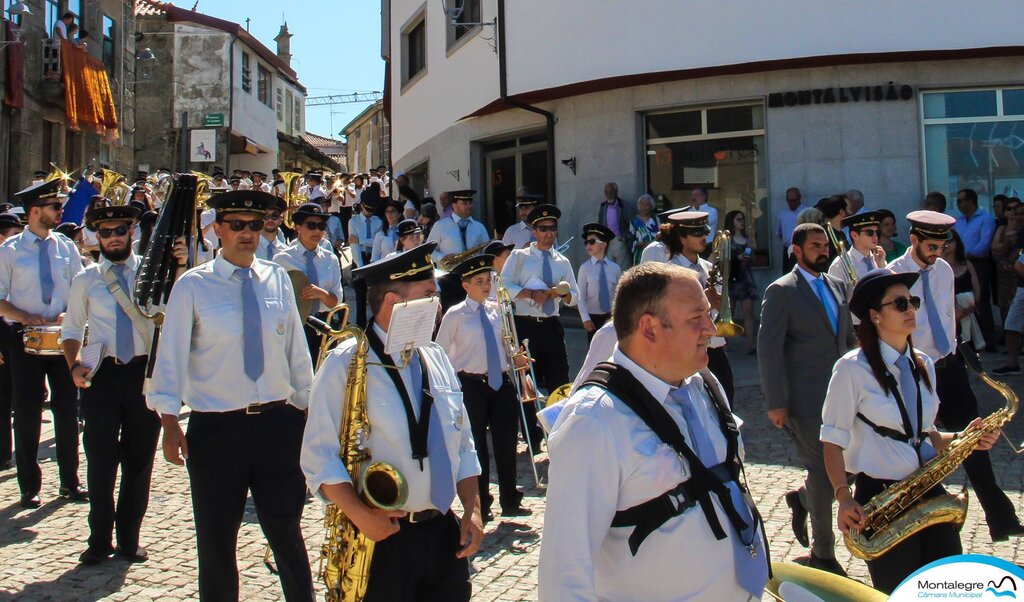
(835, 492)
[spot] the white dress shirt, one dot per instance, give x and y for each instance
(854, 389)
(519, 234)
(589, 281)
(19, 272)
(384, 244)
(601, 348)
(357, 228)
(524, 265)
(263, 246)
(449, 239)
(604, 459)
(328, 270)
(92, 304)
(787, 223)
(941, 281)
(388, 440)
(461, 336)
(658, 252)
(838, 269)
(200, 360)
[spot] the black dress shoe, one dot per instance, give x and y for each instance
(76, 494)
(799, 518)
(30, 501)
(91, 556)
(1002, 534)
(516, 511)
(823, 564)
(139, 555)
(487, 516)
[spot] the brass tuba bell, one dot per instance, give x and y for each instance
(721, 257)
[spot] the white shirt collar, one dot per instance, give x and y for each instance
(810, 277)
(891, 356)
(132, 262)
(32, 238)
(654, 385)
(225, 269)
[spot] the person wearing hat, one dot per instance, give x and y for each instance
(834, 209)
(272, 240)
(460, 232)
(501, 252)
(864, 253)
(805, 328)
(317, 262)
(520, 234)
(597, 279)
(532, 277)
(410, 236)
(311, 188)
(419, 425)
(119, 428)
(878, 421)
(234, 351)
(259, 181)
(935, 335)
(10, 225)
(467, 328)
(36, 270)
(385, 240)
(364, 225)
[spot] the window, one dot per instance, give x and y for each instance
(78, 8)
(246, 73)
(108, 43)
(289, 108)
(298, 115)
(470, 14)
(414, 50)
(279, 103)
(972, 139)
(263, 85)
(720, 148)
(51, 15)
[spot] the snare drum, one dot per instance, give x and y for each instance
(42, 340)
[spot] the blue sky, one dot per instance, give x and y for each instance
(335, 48)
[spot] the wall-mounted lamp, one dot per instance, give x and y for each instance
(145, 59)
(18, 10)
(453, 9)
(570, 163)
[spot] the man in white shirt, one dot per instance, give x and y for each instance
(9, 226)
(459, 232)
(259, 181)
(364, 225)
(520, 233)
(272, 240)
(786, 224)
(864, 253)
(699, 202)
(233, 350)
(651, 508)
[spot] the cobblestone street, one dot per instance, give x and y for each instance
(39, 549)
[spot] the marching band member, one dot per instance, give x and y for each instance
(597, 279)
(386, 239)
(9, 226)
(864, 253)
(36, 269)
(236, 355)
(878, 421)
(410, 236)
(419, 425)
(501, 252)
(259, 181)
(487, 388)
(645, 500)
(531, 276)
(459, 232)
(520, 234)
(363, 225)
(272, 240)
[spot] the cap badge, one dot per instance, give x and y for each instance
(248, 202)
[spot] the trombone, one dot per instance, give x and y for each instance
(840, 246)
(721, 257)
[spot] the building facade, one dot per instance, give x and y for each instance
(368, 139)
(747, 101)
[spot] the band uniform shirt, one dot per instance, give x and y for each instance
(328, 270)
(384, 244)
(604, 459)
(461, 335)
(357, 228)
(201, 356)
(389, 433)
(658, 252)
(940, 279)
(19, 272)
(589, 281)
(92, 304)
(601, 348)
(262, 245)
(527, 264)
(519, 234)
(838, 269)
(854, 389)
(449, 240)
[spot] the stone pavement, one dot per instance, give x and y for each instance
(39, 549)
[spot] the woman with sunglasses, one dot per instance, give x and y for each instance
(878, 421)
(386, 239)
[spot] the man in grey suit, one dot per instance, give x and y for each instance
(805, 328)
(617, 214)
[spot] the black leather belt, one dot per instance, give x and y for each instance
(259, 408)
(117, 362)
(479, 377)
(420, 517)
(536, 319)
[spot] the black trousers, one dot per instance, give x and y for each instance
(230, 455)
(498, 411)
(28, 373)
(599, 320)
(957, 407)
(119, 431)
(6, 395)
(718, 363)
(985, 269)
(314, 338)
(928, 545)
(551, 363)
(418, 564)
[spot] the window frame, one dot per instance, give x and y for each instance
(246, 64)
(108, 42)
(456, 36)
(264, 84)
(50, 20)
(417, 21)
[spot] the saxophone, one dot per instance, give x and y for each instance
(346, 553)
(448, 262)
(898, 512)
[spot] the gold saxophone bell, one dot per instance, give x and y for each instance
(721, 257)
(449, 261)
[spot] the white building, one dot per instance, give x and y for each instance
(747, 98)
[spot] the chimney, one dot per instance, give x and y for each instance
(284, 45)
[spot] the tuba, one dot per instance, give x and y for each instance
(346, 554)
(721, 257)
(898, 512)
(113, 187)
(292, 198)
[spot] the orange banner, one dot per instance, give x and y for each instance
(88, 98)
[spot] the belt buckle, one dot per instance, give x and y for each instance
(252, 409)
(412, 518)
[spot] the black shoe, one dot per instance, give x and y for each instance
(139, 555)
(1004, 370)
(516, 511)
(799, 518)
(1004, 534)
(487, 516)
(30, 500)
(822, 564)
(91, 556)
(8, 465)
(74, 494)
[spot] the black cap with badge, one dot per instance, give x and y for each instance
(241, 201)
(871, 288)
(473, 266)
(110, 213)
(407, 227)
(862, 220)
(413, 265)
(543, 212)
(40, 194)
(307, 210)
(496, 248)
(692, 223)
(931, 225)
(603, 233)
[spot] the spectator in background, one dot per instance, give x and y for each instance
(976, 227)
(934, 201)
(742, 290)
(644, 226)
(787, 222)
(699, 202)
(854, 202)
(886, 237)
(61, 29)
(1014, 325)
(999, 209)
(428, 216)
(617, 215)
(965, 287)
(1006, 246)
(410, 202)
(444, 205)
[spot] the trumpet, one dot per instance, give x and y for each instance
(721, 257)
(851, 272)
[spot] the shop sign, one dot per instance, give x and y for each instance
(846, 94)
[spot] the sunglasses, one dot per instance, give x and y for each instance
(546, 228)
(903, 303)
(315, 224)
(869, 232)
(56, 205)
(273, 217)
(592, 241)
(237, 225)
(933, 247)
(115, 231)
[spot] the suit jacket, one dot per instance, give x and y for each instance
(626, 213)
(796, 347)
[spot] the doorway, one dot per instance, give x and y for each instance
(510, 165)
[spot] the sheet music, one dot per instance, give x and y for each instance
(412, 325)
(92, 356)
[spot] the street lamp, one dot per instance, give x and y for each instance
(146, 59)
(18, 10)
(453, 9)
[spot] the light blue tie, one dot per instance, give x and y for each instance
(603, 296)
(869, 264)
(493, 359)
(252, 327)
(442, 482)
(314, 278)
(463, 225)
(45, 275)
(124, 334)
(549, 304)
(699, 440)
(369, 234)
(909, 391)
(271, 250)
(934, 322)
(822, 290)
